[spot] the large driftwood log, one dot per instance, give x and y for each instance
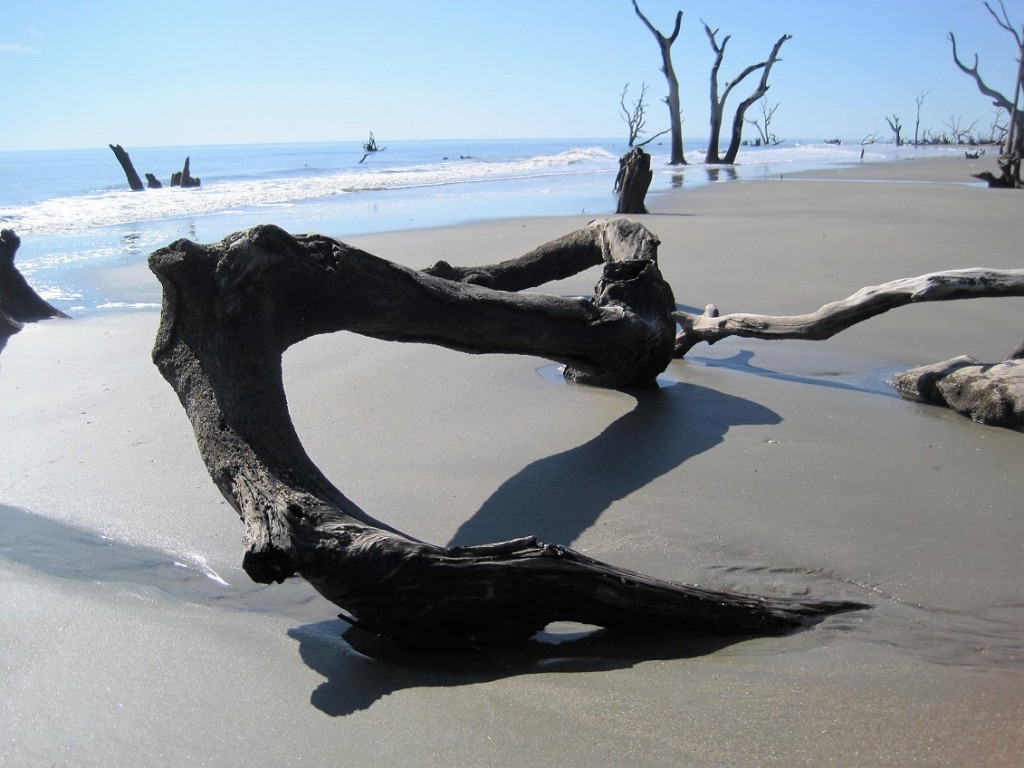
(837, 316)
(19, 303)
(231, 309)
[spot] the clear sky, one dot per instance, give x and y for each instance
(85, 73)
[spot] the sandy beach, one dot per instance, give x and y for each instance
(131, 636)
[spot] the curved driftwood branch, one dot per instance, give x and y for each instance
(837, 316)
(231, 309)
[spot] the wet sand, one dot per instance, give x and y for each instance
(131, 635)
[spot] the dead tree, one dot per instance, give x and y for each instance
(370, 147)
(1013, 146)
(764, 134)
(19, 303)
(672, 100)
(897, 129)
(919, 100)
(633, 181)
(635, 117)
(230, 310)
(718, 101)
(129, 169)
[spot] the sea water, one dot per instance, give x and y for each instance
(77, 217)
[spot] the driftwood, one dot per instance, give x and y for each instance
(231, 309)
(832, 318)
(180, 178)
(19, 303)
(633, 181)
(183, 178)
(129, 169)
(988, 393)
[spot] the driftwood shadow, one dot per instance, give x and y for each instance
(559, 497)
(556, 498)
(361, 668)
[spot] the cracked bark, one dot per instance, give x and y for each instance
(231, 309)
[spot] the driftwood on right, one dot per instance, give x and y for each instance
(988, 393)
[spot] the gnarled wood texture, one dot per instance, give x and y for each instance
(231, 309)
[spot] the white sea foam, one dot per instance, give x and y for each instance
(64, 215)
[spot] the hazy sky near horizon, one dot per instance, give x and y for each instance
(189, 72)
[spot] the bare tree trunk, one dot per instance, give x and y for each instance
(231, 309)
(633, 181)
(129, 170)
(1013, 148)
(760, 91)
(672, 100)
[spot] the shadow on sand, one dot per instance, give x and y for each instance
(556, 498)
(361, 668)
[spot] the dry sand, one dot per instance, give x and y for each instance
(775, 467)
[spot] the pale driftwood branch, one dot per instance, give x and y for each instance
(231, 309)
(840, 315)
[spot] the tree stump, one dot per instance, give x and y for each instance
(19, 303)
(129, 169)
(183, 178)
(633, 181)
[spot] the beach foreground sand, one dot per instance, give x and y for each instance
(130, 635)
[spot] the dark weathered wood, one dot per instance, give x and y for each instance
(673, 101)
(153, 182)
(231, 309)
(19, 303)
(717, 112)
(832, 318)
(183, 178)
(633, 181)
(129, 170)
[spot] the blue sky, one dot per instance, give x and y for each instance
(85, 73)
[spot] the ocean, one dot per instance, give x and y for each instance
(77, 217)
